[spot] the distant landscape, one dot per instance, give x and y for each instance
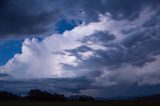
(37, 97)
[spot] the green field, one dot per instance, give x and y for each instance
(26, 103)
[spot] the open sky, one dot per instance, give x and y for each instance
(102, 48)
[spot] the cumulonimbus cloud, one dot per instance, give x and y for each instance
(43, 59)
(103, 52)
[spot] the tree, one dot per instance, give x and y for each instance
(37, 95)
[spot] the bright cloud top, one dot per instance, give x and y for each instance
(43, 59)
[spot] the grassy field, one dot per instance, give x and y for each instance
(26, 103)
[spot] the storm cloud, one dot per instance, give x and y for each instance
(114, 49)
(33, 18)
(25, 17)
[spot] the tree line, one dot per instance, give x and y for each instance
(38, 95)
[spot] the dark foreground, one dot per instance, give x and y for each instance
(29, 103)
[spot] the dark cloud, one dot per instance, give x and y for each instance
(137, 49)
(25, 17)
(63, 85)
(4, 75)
(124, 90)
(104, 37)
(28, 17)
(142, 47)
(76, 86)
(119, 9)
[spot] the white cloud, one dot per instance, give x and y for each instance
(86, 55)
(43, 59)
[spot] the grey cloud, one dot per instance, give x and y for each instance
(123, 90)
(104, 37)
(137, 50)
(25, 17)
(119, 9)
(28, 17)
(66, 86)
(78, 86)
(3, 75)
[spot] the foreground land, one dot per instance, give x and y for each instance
(121, 103)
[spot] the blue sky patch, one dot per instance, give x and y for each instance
(8, 49)
(64, 25)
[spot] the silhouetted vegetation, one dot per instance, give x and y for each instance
(8, 96)
(37, 95)
(34, 96)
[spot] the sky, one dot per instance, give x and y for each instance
(100, 48)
